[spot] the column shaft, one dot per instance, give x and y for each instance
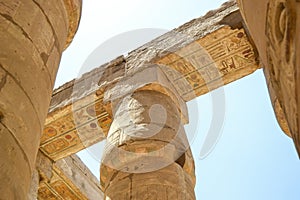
(33, 34)
(145, 154)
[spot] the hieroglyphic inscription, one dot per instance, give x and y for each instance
(210, 62)
(85, 123)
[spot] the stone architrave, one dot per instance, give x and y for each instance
(67, 178)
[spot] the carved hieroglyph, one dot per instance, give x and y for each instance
(76, 128)
(227, 56)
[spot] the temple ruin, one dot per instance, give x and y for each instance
(42, 130)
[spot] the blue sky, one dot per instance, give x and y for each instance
(253, 158)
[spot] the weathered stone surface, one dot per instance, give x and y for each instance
(27, 38)
(67, 178)
(73, 8)
(170, 182)
(79, 125)
(75, 170)
(179, 37)
(34, 186)
(150, 78)
(144, 122)
(275, 31)
(15, 169)
(218, 58)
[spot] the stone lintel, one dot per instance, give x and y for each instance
(67, 178)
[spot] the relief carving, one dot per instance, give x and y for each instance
(280, 31)
(225, 55)
(281, 54)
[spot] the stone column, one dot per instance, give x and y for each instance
(33, 34)
(274, 26)
(147, 154)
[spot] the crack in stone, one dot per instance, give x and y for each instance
(44, 57)
(2, 84)
(10, 19)
(21, 148)
(130, 177)
(24, 91)
(1, 116)
(111, 179)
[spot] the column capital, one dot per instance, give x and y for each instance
(150, 78)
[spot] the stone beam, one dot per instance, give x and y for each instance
(197, 57)
(75, 122)
(217, 59)
(67, 178)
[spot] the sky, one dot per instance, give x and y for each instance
(253, 158)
